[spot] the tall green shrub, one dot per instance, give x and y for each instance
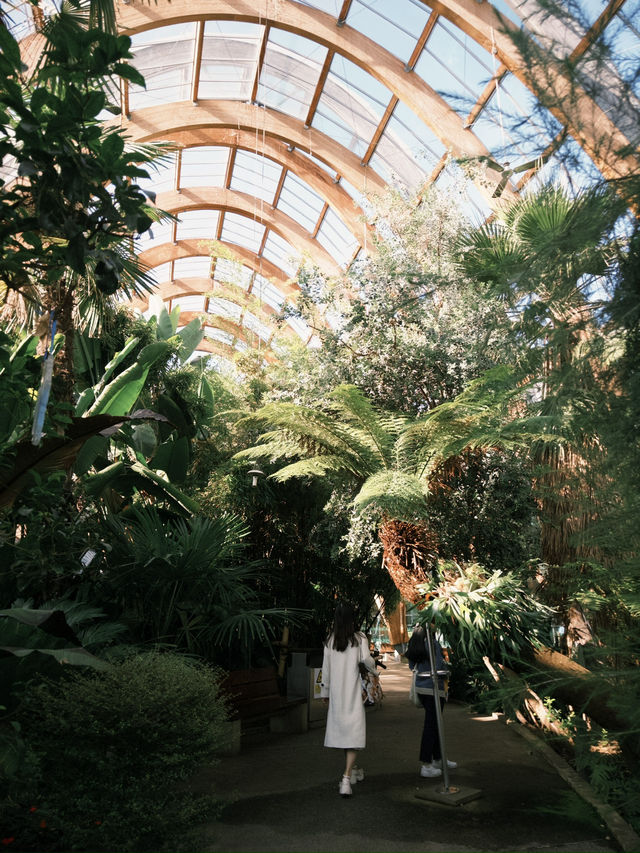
(114, 751)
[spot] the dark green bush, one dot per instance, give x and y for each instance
(114, 751)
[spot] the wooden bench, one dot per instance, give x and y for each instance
(256, 698)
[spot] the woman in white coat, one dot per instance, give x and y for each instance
(346, 729)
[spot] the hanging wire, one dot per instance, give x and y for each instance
(494, 53)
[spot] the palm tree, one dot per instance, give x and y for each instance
(547, 256)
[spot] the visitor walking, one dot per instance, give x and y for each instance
(344, 649)
(418, 656)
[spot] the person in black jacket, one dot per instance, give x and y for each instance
(418, 656)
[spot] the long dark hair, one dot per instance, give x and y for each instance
(417, 650)
(344, 630)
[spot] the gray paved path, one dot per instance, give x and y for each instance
(282, 791)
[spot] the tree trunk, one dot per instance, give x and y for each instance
(409, 555)
(579, 687)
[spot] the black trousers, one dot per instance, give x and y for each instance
(430, 743)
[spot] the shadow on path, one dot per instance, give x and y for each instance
(282, 791)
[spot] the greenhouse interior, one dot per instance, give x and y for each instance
(313, 307)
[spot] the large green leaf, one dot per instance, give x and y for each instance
(173, 458)
(191, 336)
(165, 326)
(396, 494)
(120, 395)
(52, 454)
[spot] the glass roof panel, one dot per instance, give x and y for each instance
(255, 175)
(20, 21)
(189, 303)
(160, 232)
(359, 199)
(204, 166)
(161, 174)
(197, 225)
(421, 140)
(397, 31)
(194, 267)
(400, 160)
(224, 308)
(254, 325)
(299, 201)
(454, 184)
(164, 56)
(281, 253)
(243, 231)
(266, 291)
(455, 65)
(351, 105)
(290, 72)
(299, 327)
(218, 335)
(228, 271)
(160, 273)
(623, 35)
(336, 238)
(508, 8)
(229, 59)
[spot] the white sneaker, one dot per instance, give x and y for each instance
(357, 775)
(450, 764)
(429, 771)
(345, 787)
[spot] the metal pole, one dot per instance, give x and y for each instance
(436, 697)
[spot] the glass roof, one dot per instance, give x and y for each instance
(305, 106)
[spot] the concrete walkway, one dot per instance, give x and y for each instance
(282, 791)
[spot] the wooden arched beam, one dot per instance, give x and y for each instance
(218, 348)
(166, 252)
(190, 123)
(304, 167)
(228, 352)
(198, 286)
(589, 125)
(215, 321)
(585, 121)
(232, 201)
(320, 27)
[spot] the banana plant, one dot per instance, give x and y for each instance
(133, 457)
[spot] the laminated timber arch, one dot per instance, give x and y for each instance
(232, 201)
(167, 252)
(235, 330)
(198, 286)
(185, 121)
(585, 121)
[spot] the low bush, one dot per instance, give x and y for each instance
(113, 752)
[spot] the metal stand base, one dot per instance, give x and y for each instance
(452, 796)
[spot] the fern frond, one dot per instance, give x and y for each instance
(398, 495)
(360, 413)
(317, 466)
